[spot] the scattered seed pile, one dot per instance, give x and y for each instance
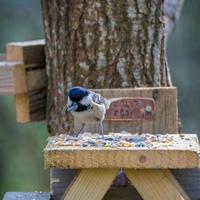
(117, 140)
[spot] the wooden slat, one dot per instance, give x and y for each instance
(90, 184)
(27, 196)
(8, 84)
(155, 184)
(31, 106)
(29, 52)
(184, 153)
(14, 79)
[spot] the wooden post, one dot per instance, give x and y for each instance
(27, 80)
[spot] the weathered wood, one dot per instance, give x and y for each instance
(31, 106)
(155, 184)
(27, 196)
(29, 52)
(126, 157)
(90, 184)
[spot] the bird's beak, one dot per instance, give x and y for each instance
(72, 107)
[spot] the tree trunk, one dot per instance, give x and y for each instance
(104, 44)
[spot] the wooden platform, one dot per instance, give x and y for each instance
(183, 153)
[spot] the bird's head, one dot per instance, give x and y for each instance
(79, 99)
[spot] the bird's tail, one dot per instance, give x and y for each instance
(109, 101)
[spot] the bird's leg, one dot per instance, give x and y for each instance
(101, 128)
(83, 125)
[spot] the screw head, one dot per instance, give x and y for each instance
(149, 109)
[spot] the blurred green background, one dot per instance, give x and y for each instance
(21, 145)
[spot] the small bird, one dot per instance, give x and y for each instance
(87, 107)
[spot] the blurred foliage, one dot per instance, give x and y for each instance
(184, 61)
(21, 149)
(21, 145)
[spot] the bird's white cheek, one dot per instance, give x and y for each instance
(86, 100)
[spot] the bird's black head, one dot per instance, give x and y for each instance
(76, 94)
(79, 98)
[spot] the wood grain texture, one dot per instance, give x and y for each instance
(90, 184)
(15, 79)
(29, 52)
(31, 106)
(155, 184)
(36, 79)
(8, 72)
(183, 154)
(27, 196)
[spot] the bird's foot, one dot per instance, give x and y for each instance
(81, 129)
(101, 129)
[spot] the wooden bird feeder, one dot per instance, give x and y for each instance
(141, 110)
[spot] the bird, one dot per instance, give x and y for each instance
(86, 107)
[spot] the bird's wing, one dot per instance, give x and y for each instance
(97, 98)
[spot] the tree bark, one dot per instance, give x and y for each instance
(101, 44)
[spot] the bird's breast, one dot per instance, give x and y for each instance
(86, 116)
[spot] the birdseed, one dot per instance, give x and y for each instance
(117, 140)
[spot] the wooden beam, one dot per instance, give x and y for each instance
(8, 70)
(155, 184)
(23, 74)
(29, 52)
(90, 184)
(15, 79)
(183, 153)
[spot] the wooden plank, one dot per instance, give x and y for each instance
(29, 52)
(8, 72)
(14, 79)
(166, 111)
(27, 196)
(155, 184)
(36, 79)
(90, 184)
(31, 106)
(186, 148)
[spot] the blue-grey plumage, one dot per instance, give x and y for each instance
(87, 106)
